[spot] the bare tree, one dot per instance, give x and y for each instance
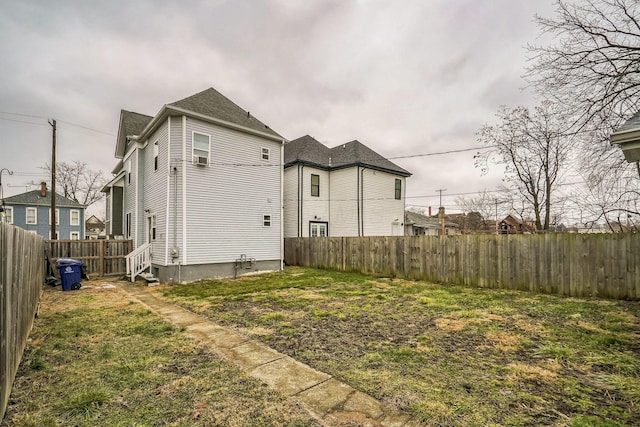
(592, 67)
(77, 182)
(534, 148)
(593, 64)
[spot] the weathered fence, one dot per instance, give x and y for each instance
(603, 265)
(21, 278)
(102, 257)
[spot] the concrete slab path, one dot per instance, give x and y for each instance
(331, 402)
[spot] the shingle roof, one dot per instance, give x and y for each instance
(134, 123)
(34, 198)
(424, 221)
(212, 103)
(308, 150)
(632, 123)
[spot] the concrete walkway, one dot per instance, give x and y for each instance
(329, 401)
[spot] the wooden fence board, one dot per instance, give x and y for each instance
(101, 257)
(21, 279)
(604, 265)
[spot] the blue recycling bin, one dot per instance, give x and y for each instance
(70, 273)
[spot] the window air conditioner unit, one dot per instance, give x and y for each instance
(199, 160)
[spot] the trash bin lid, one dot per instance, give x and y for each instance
(68, 261)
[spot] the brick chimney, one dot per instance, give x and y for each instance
(429, 210)
(43, 189)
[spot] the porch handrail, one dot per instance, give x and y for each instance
(138, 260)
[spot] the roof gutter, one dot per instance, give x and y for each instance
(167, 109)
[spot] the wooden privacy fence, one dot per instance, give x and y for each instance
(102, 257)
(21, 278)
(603, 265)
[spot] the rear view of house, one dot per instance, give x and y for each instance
(198, 189)
(348, 190)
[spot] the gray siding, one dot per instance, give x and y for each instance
(291, 202)
(129, 195)
(227, 199)
(175, 224)
(154, 192)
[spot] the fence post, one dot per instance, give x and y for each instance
(101, 255)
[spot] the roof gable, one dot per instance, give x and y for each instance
(212, 103)
(131, 124)
(35, 198)
(308, 150)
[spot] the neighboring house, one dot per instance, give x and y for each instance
(348, 190)
(94, 228)
(512, 225)
(199, 186)
(32, 211)
(416, 224)
(627, 137)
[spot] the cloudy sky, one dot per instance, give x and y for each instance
(403, 77)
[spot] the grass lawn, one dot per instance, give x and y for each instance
(95, 358)
(449, 355)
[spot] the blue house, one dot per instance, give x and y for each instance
(32, 211)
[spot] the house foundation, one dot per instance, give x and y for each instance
(177, 273)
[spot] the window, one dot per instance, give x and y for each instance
(154, 226)
(57, 235)
(127, 225)
(128, 169)
(266, 220)
(8, 214)
(318, 229)
(265, 153)
(32, 215)
(155, 156)
(57, 216)
(201, 144)
(74, 235)
(75, 217)
(315, 185)
(398, 189)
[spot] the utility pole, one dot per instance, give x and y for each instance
(53, 180)
(2, 209)
(441, 212)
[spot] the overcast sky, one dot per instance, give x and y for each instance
(403, 77)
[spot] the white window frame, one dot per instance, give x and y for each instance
(57, 235)
(266, 220)
(265, 153)
(8, 217)
(154, 227)
(127, 225)
(201, 151)
(156, 150)
(57, 216)
(74, 235)
(71, 212)
(35, 216)
(318, 229)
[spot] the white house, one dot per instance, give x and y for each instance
(348, 190)
(198, 189)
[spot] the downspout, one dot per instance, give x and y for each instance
(358, 197)
(282, 206)
(301, 200)
(362, 198)
(329, 195)
(298, 204)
